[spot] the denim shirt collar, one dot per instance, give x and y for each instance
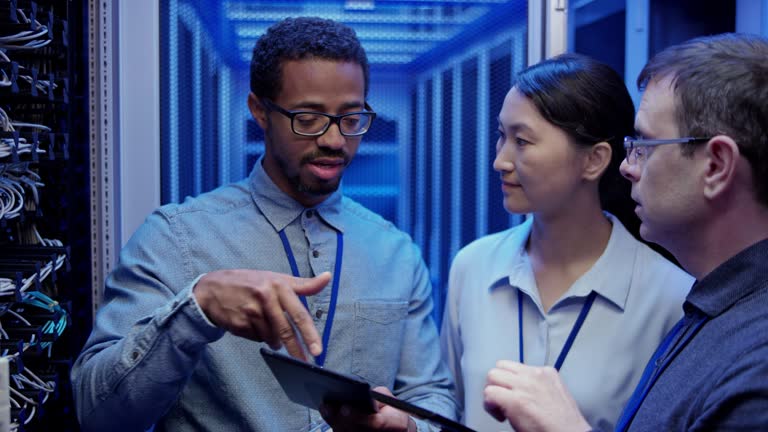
(738, 277)
(280, 209)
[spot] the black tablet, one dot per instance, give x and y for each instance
(311, 386)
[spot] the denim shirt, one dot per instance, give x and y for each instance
(154, 358)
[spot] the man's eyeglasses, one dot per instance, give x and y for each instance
(312, 123)
(638, 149)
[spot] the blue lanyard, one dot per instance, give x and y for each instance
(657, 365)
(571, 337)
(320, 360)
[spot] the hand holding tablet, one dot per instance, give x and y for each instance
(312, 386)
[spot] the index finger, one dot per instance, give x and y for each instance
(303, 322)
(511, 365)
(506, 373)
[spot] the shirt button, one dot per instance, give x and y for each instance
(135, 355)
(315, 253)
(310, 213)
(319, 313)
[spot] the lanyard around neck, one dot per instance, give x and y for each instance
(320, 360)
(571, 337)
(657, 364)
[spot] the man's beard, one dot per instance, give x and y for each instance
(318, 189)
(322, 188)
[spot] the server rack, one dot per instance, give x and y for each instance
(44, 239)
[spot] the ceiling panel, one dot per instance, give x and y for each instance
(394, 33)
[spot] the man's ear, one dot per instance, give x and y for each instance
(257, 110)
(597, 160)
(722, 159)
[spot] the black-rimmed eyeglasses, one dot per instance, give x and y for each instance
(312, 123)
(637, 148)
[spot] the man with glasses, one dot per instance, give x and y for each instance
(280, 259)
(699, 173)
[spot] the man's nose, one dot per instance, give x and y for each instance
(630, 172)
(332, 138)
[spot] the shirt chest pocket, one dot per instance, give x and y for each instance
(378, 338)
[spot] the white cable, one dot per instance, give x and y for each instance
(28, 46)
(34, 381)
(16, 314)
(25, 35)
(6, 202)
(18, 124)
(24, 19)
(21, 396)
(21, 146)
(8, 146)
(31, 414)
(11, 198)
(5, 81)
(42, 85)
(29, 36)
(32, 236)
(5, 121)
(30, 184)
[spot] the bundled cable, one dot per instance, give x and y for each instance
(38, 334)
(9, 146)
(34, 38)
(18, 190)
(11, 198)
(31, 236)
(35, 72)
(8, 125)
(5, 80)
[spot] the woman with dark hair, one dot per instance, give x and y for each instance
(570, 287)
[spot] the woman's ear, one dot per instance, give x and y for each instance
(257, 110)
(597, 160)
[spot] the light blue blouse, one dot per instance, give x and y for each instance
(639, 298)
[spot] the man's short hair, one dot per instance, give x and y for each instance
(299, 39)
(721, 87)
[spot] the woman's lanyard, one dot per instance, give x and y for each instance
(319, 360)
(571, 337)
